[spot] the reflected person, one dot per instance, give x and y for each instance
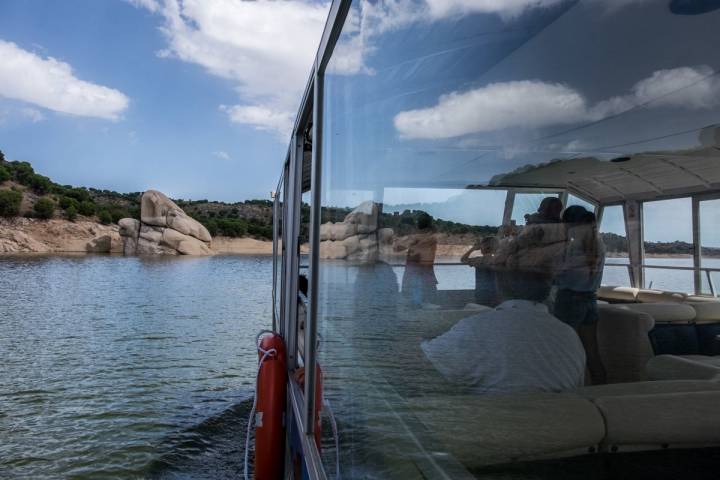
(485, 287)
(578, 280)
(548, 212)
(517, 347)
(419, 283)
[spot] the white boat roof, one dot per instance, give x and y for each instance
(644, 176)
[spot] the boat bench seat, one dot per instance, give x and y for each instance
(684, 367)
(482, 430)
(617, 294)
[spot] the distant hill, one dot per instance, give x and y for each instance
(24, 192)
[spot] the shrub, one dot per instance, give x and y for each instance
(40, 184)
(4, 174)
(71, 213)
(67, 202)
(22, 171)
(86, 208)
(105, 217)
(10, 203)
(44, 208)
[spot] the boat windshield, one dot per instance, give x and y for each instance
(501, 183)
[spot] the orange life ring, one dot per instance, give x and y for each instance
(270, 410)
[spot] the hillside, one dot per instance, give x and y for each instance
(26, 193)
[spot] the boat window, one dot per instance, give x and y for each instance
(709, 213)
(614, 237)
(503, 364)
(667, 232)
(574, 200)
(527, 204)
(279, 258)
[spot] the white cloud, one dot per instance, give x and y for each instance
(151, 5)
(494, 107)
(32, 114)
(690, 87)
(262, 118)
(505, 8)
(536, 104)
(265, 48)
(222, 155)
(51, 84)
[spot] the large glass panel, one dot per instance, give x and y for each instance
(441, 362)
(614, 237)
(667, 231)
(709, 241)
(528, 204)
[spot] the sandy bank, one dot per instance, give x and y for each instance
(241, 246)
(30, 235)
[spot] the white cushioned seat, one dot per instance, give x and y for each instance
(618, 294)
(664, 312)
(651, 421)
(706, 312)
(623, 342)
(482, 430)
(658, 296)
(684, 367)
(647, 388)
(702, 298)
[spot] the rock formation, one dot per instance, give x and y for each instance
(163, 229)
(357, 238)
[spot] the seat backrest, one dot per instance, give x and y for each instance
(623, 342)
(660, 296)
(665, 312)
(615, 294)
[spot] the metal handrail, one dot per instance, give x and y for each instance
(707, 270)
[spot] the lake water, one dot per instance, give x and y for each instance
(114, 367)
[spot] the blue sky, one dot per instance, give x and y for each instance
(178, 105)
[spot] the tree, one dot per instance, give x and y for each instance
(87, 208)
(44, 208)
(4, 174)
(105, 217)
(40, 184)
(23, 172)
(10, 203)
(71, 213)
(67, 202)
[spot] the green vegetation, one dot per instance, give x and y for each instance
(10, 203)
(4, 174)
(71, 213)
(105, 217)
(44, 208)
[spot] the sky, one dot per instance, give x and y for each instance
(195, 98)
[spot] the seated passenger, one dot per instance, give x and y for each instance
(485, 286)
(548, 212)
(518, 347)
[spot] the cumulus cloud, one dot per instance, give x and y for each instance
(265, 48)
(51, 84)
(222, 155)
(32, 114)
(151, 5)
(262, 118)
(536, 104)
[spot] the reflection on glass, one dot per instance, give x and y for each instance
(668, 231)
(709, 240)
(437, 117)
(614, 236)
(536, 208)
